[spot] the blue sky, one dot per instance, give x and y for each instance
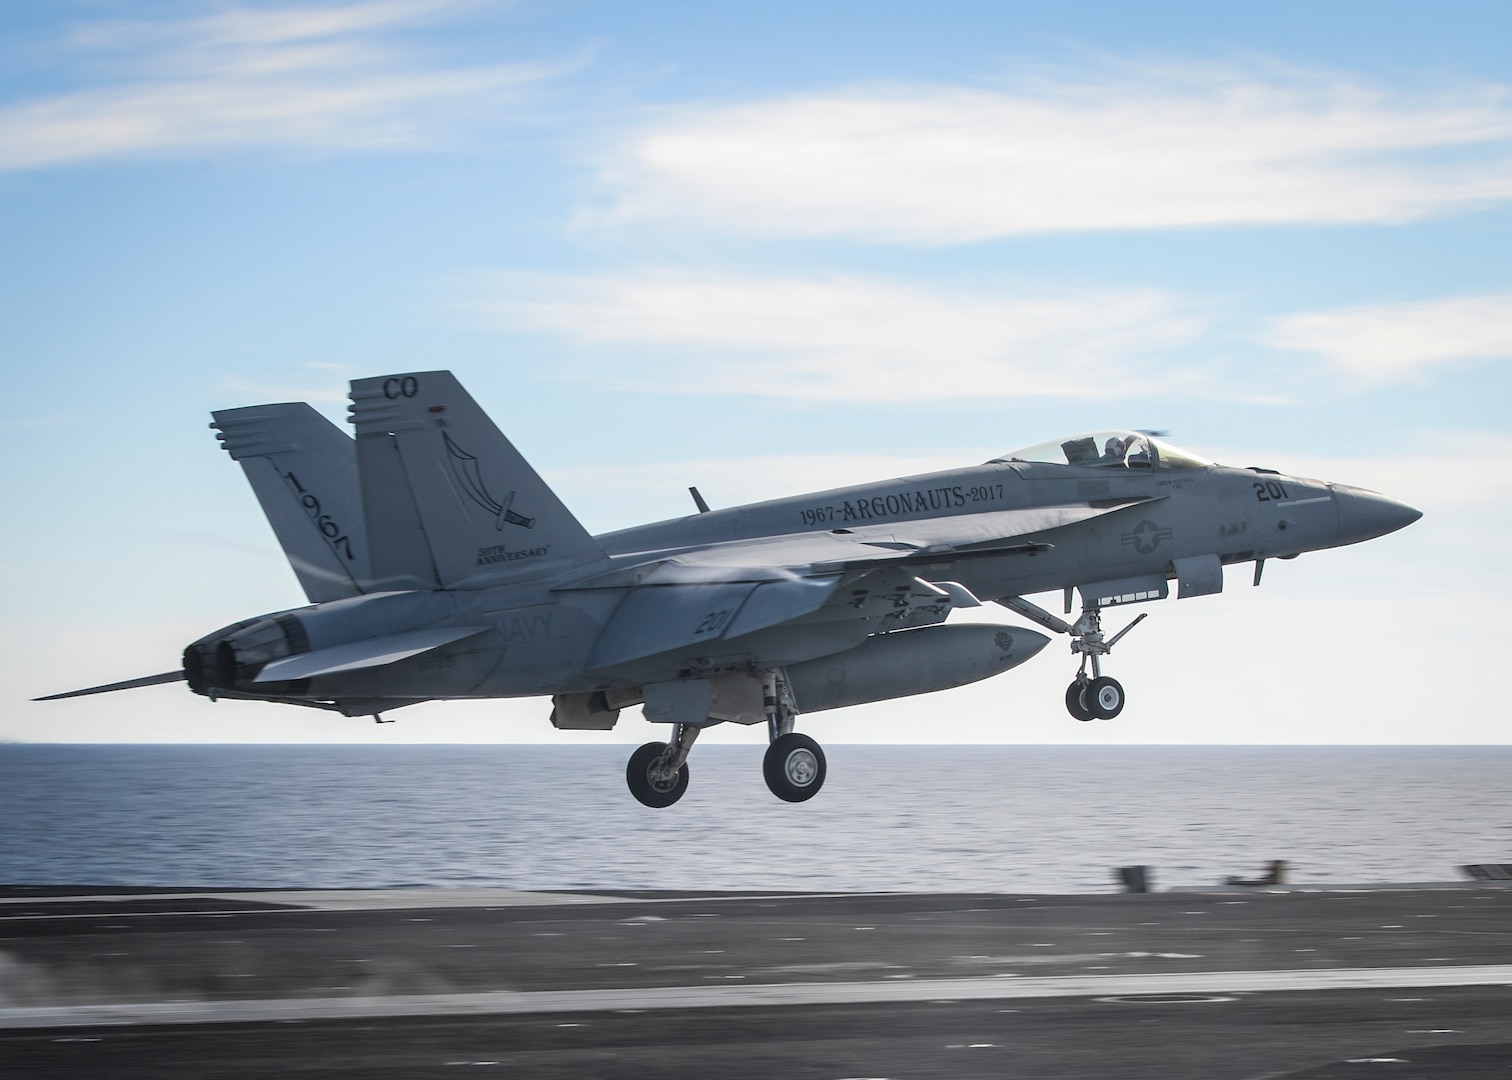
(765, 252)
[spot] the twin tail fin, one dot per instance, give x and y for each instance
(303, 469)
(448, 501)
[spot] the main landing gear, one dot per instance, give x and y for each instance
(794, 765)
(658, 771)
(1092, 695)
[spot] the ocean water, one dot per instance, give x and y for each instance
(890, 818)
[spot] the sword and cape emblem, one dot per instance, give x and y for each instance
(469, 475)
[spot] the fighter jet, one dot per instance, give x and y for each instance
(439, 566)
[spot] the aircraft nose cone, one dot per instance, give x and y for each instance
(1364, 515)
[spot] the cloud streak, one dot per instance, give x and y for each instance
(313, 78)
(333, 394)
(1380, 343)
(1159, 148)
(851, 338)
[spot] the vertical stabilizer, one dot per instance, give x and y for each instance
(303, 470)
(481, 513)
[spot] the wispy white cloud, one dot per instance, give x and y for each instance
(244, 26)
(333, 393)
(314, 77)
(1132, 149)
(1381, 343)
(852, 338)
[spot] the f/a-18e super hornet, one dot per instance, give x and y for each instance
(439, 565)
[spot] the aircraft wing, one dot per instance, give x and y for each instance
(725, 591)
(993, 533)
(828, 551)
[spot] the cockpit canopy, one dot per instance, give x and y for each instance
(1109, 449)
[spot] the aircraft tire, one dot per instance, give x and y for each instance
(794, 767)
(638, 776)
(1076, 702)
(1105, 698)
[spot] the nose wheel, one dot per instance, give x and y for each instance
(1101, 698)
(1076, 701)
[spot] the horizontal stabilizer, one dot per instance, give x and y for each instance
(357, 655)
(129, 684)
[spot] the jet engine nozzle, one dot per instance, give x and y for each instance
(229, 659)
(1364, 515)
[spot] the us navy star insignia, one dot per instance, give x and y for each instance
(1146, 536)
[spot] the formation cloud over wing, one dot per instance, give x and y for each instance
(1176, 146)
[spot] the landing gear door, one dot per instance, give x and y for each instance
(1101, 594)
(1199, 575)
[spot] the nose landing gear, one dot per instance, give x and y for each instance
(1092, 695)
(1100, 698)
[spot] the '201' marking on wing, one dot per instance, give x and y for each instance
(713, 622)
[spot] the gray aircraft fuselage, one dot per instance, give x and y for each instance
(1236, 514)
(542, 630)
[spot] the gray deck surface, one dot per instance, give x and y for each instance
(1379, 982)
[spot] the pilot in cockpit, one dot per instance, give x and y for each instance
(1113, 451)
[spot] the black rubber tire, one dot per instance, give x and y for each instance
(1076, 702)
(794, 767)
(637, 775)
(1105, 698)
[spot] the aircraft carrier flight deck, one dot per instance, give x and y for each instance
(1301, 981)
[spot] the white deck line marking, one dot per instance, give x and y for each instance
(378, 900)
(300, 900)
(757, 994)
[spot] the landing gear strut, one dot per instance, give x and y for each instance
(658, 771)
(794, 765)
(1093, 695)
